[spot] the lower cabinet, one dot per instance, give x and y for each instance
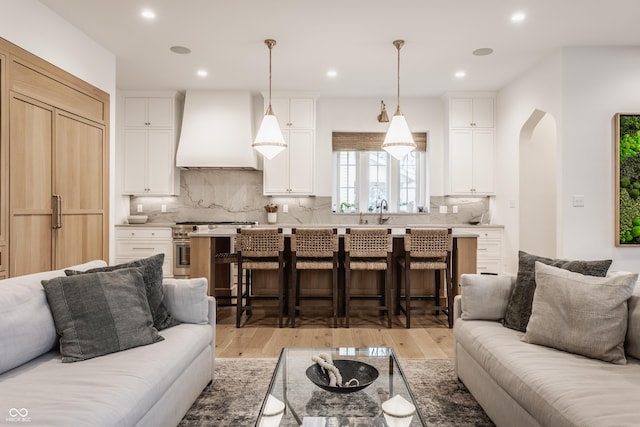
(134, 243)
(489, 248)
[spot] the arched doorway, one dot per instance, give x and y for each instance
(538, 185)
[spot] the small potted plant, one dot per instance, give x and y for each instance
(272, 212)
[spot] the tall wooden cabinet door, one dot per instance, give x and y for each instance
(30, 142)
(80, 162)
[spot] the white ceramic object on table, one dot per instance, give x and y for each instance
(272, 413)
(398, 411)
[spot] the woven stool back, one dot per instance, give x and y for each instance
(428, 242)
(368, 242)
(314, 242)
(259, 242)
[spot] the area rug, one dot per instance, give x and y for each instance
(235, 396)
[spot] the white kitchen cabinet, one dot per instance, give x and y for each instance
(471, 148)
(149, 145)
(133, 243)
(472, 112)
(295, 113)
(149, 112)
(489, 248)
(292, 172)
(471, 161)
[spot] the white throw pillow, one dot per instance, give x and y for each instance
(580, 314)
(186, 299)
(484, 297)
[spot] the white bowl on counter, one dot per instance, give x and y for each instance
(137, 219)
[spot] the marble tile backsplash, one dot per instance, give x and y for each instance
(236, 195)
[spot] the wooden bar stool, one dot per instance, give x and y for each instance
(313, 249)
(368, 249)
(426, 249)
(259, 249)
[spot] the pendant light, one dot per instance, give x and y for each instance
(398, 141)
(269, 140)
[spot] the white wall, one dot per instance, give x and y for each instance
(582, 88)
(360, 115)
(538, 188)
(597, 83)
(35, 28)
(540, 88)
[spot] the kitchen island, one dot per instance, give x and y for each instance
(210, 249)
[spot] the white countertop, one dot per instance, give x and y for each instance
(232, 231)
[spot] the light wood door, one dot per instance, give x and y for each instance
(57, 154)
(30, 145)
(79, 178)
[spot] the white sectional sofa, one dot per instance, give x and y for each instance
(151, 385)
(523, 384)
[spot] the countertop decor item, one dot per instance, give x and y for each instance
(352, 374)
(271, 208)
(272, 213)
(137, 219)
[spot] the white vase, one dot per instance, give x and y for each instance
(272, 217)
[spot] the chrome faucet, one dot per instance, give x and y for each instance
(383, 205)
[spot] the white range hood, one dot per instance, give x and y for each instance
(217, 131)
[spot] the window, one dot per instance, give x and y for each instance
(365, 175)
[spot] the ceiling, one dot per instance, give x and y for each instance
(352, 37)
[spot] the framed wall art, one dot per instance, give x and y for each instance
(627, 135)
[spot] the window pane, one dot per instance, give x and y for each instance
(378, 178)
(347, 181)
(408, 182)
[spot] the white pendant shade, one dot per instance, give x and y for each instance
(398, 142)
(269, 140)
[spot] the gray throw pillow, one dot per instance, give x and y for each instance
(580, 314)
(100, 313)
(152, 275)
(519, 306)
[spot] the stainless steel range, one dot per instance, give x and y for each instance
(181, 244)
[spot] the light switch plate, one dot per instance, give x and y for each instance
(443, 209)
(139, 208)
(578, 201)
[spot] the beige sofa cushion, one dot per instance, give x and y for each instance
(484, 297)
(581, 314)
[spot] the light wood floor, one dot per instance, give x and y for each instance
(429, 336)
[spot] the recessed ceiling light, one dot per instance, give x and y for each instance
(332, 73)
(460, 74)
(148, 14)
(203, 73)
(483, 51)
(180, 49)
(518, 17)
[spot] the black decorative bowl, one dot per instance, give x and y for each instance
(363, 372)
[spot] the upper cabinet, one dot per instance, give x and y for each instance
(292, 172)
(471, 112)
(157, 112)
(471, 134)
(149, 144)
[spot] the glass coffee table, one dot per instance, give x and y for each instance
(302, 403)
